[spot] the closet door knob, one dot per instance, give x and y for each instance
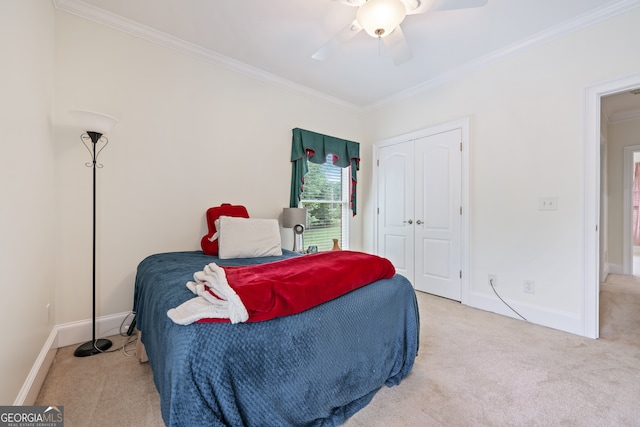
(419, 222)
(410, 221)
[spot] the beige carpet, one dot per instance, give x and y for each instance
(109, 389)
(474, 369)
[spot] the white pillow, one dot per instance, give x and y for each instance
(248, 237)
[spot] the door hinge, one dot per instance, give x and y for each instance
(378, 162)
(378, 211)
(460, 210)
(461, 274)
(461, 146)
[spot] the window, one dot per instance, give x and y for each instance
(326, 197)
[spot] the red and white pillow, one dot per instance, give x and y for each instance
(209, 242)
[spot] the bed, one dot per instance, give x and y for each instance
(314, 368)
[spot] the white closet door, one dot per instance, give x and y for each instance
(438, 220)
(395, 207)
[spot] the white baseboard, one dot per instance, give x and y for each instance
(615, 269)
(80, 331)
(37, 374)
(61, 336)
(604, 273)
(555, 319)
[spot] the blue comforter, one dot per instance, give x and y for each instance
(315, 368)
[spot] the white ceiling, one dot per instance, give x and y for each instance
(273, 40)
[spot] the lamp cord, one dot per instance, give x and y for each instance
(505, 303)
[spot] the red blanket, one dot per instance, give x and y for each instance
(293, 285)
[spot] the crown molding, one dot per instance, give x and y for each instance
(93, 13)
(578, 23)
(101, 16)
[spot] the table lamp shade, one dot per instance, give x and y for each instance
(294, 216)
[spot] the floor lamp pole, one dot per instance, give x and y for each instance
(94, 346)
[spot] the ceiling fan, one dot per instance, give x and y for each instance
(382, 18)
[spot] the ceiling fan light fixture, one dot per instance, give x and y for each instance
(380, 17)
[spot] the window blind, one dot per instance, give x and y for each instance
(326, 197)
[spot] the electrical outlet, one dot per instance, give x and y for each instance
(548, 203)
(493, 280)
(530, 286)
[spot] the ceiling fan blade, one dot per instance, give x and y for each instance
(457, 4)
(343, 36)
(415, 7)
(356, 3)
(398, 46)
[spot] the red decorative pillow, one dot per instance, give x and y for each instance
(209, 242)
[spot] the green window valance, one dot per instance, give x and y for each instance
(314, 147)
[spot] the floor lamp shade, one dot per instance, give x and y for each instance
(94, 125)
(90, 121)
(296, 218)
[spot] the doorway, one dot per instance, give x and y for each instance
(593, 195)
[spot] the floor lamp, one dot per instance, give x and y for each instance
(95, 125)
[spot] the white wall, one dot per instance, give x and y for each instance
(527, 142)
(27, 208)
(191, 135)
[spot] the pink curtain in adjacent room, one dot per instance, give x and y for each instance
(636, 205)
